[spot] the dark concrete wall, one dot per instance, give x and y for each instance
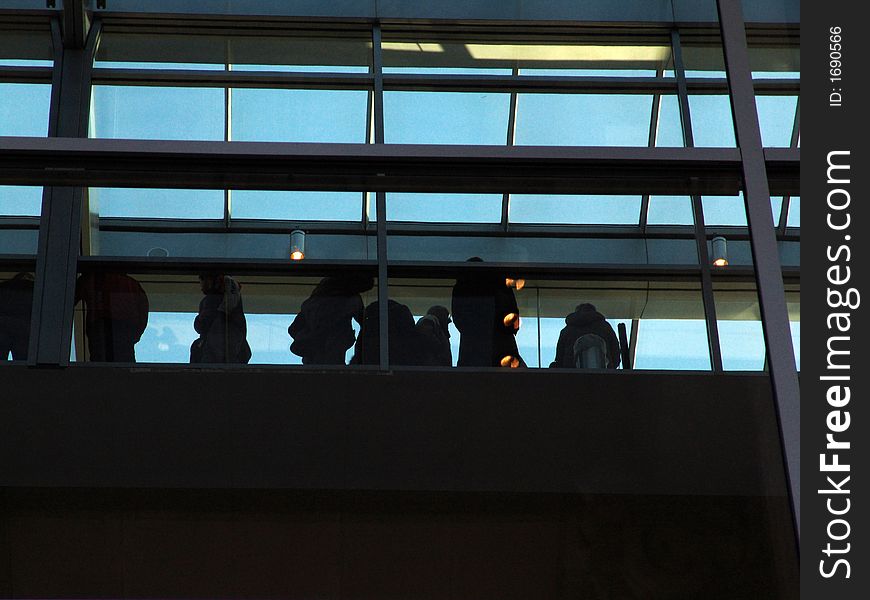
(627, 432)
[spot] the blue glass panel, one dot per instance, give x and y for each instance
(24, 109)
(296, 206)
(167, 338)
(776, 75)
(583, 119)
(742, 345)
(724, 211)
(712, 125)
(796, 341)
(159, 113)
(20, 200)
(299, 115)
(670, 210)
(794, 212)
(446, 118)
(158, 203)
(672, 344)
(776, 209)
(669, 132)
(444, 208)
(301, 68)
(776, 118)
(578, 210)
(120, 64)
(25, 62)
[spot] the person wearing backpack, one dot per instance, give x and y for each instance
(322, 332)
(586, 334)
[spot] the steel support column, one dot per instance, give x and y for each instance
(381, 203)
(60, 225)
(765, 253)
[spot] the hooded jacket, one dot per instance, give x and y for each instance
(585, 319)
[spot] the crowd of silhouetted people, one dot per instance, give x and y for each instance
(483, 309)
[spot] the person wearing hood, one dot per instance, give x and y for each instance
(221, 323)
(402, 337)
(486, 314)
(322, 332)
(435, 337)
(583, 321)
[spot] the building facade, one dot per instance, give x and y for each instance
(291, 299)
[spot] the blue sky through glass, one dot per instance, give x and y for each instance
(671, 344)
(277, 115)
(444, 208)
(20, 200)
(577, 209)
(712, 125)
(296, 206)
(24, 109)
(158, 113)
(158, 203)
(583, 119)
(445, 118)
(776, 118)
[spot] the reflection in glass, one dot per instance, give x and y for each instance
(669, 129)
(794, 212)
(724, 211)
(741, 338)
(446, 118)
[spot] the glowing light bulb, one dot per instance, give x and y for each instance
(510, 361)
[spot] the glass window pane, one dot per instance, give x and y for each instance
(794, 212)
(583, 119)
(296, 206)
(669, 131)
(23, 48)
(702, 53)
(159, 113)
(444, 208)
(741, 338)
(776, 209)
(672, 344)
(24, 109)
(553, 55)
(446, 118)
(670, 210)
(16, 301)
(724, 210)
(324, 116)
(157, 203)
(575, 210)
(776, 119)
(712, 125)
(774, 59)
(20, 200)
(345, 52)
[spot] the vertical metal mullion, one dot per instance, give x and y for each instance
(60, 222)
(765, 253)
(511, 136)
(698, 212)
(651, 142)
(369, 131)
(381, 201)
(228, 115)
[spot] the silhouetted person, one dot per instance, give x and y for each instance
(402, 336)
(576, 338)
(116, 315)
(16, 302)
(434, 338)
(322, 332)
(220, 323)
(485, 312)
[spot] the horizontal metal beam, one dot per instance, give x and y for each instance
(375, 167)
(25, 74)
(236, 79)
